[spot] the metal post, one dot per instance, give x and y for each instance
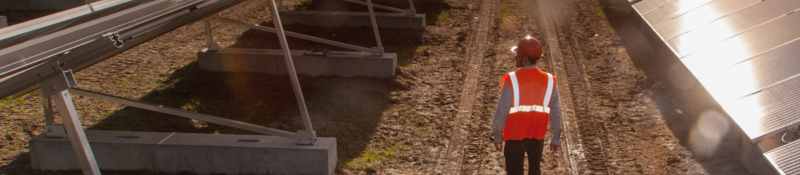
(89, 5)
(52, 130)
(210, 44)
(376, 51)
(287, 55)
(75, 133)
(47, 106)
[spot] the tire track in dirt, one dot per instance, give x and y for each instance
(572, 141)
(450, 160)
(619, 127)
(590, 128)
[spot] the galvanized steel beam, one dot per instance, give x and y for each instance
(307, 136)
(187, 114)
(379, 6)
(292, 34)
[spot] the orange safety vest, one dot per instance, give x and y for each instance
(530, 110)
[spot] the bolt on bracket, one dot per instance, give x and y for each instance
(305, 137)
(411, 12)
(377, 51)
(55, 131)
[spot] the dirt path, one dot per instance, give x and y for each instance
(572, 150)
(611, 126)
(450, 160)
(619, 129)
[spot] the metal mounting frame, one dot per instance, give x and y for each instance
(57, 87)
(376, 51)
(410, 11)
(65, 80)
(81, 46)
(292, 34)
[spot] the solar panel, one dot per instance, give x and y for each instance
(730, 25)
(647, 6)
(672, 10)
(761, 71)
(784, 158)
(746, 53)
(700, 16)
(741, 51)
(765, 112)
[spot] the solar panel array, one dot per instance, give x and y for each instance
(746, 53)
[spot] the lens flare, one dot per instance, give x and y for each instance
(707, 133)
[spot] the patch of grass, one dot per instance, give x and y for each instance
(372, 157)
(107, 113)
(442, 17)
(406, 53)
(193, 105)
(510, 16)
(636, 74)
(10, 102)
(598, 12)
(630, 88)
(305, 2)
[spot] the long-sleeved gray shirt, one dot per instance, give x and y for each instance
(504, 106)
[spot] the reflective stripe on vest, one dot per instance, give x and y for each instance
(530, 108)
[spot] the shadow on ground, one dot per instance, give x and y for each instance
(681, 99)
(349, 109)
(432, 9)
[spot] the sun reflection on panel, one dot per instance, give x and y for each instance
(712, 68)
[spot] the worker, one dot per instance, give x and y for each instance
(528, 101)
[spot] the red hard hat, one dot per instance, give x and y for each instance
(529, 46)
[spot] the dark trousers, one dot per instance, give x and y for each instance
(514, 152)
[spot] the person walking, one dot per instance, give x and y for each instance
(528, 102)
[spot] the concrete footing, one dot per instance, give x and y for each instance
(353, 19)
(271, 61)
(753, 157)
(189, 152)
(3, 21)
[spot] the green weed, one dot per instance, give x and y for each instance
(406, 53)
(10, 102)
(374, 156)
(636, 74)
(631, 88)
(442, 17)
(598, 12)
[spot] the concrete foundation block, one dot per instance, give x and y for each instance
(271, 61)
(753, 157)
(353, 19)
(198, 153)
(3, 21)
